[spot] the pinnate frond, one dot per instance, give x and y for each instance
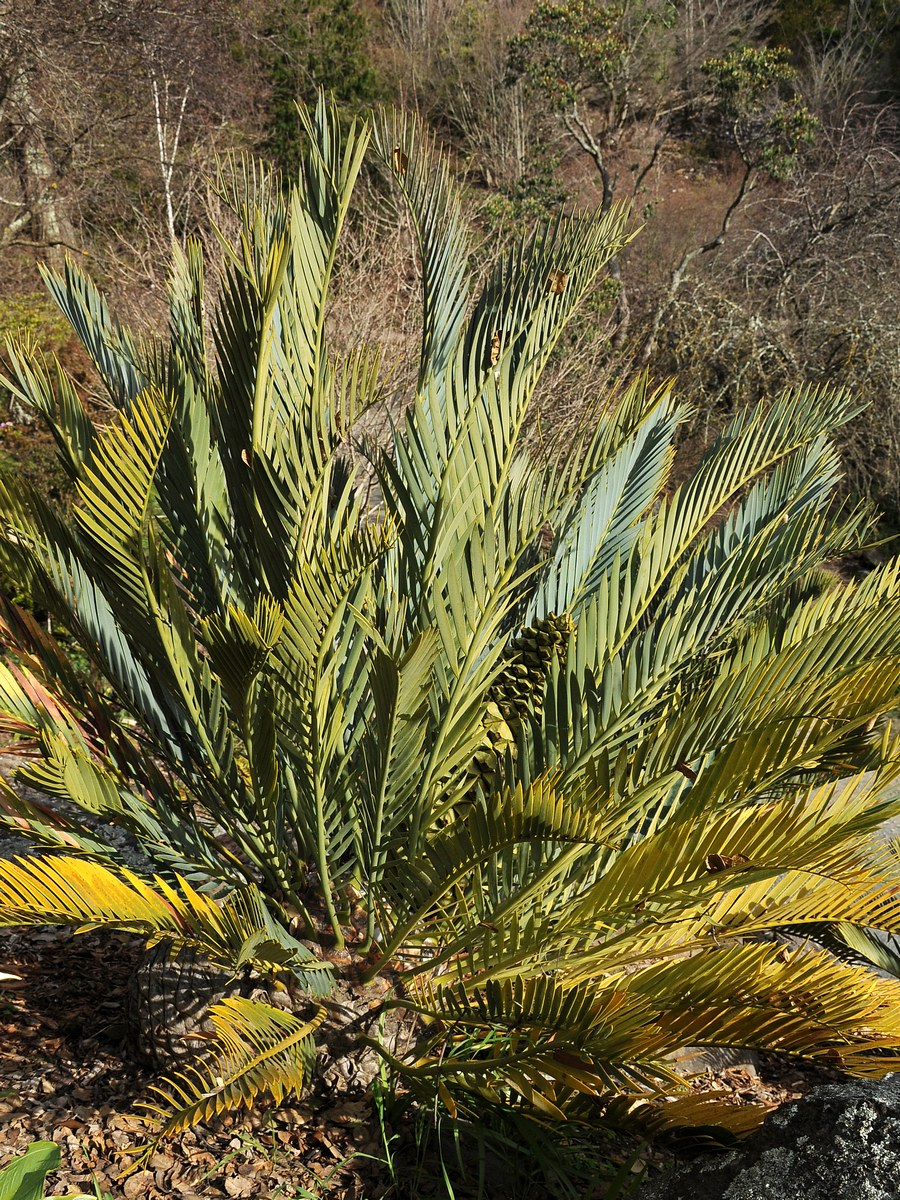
(61, 890)
(254, 1049)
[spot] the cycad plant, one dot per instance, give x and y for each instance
(531, 752)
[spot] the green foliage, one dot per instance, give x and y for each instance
(543, 742)
(758, 108)
(24, 1178)
(821, 24)
(310, 44)
(583, 50)
(33, 315)
(512, 211)
(257, 1049)
(819, 21)
(26, 451)
(569, 48)
(869, 33)
(28, 458)
(501, 1153)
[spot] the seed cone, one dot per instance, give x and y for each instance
(520, 687)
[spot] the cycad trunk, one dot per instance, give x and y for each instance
(169, 999)
(168, 1019)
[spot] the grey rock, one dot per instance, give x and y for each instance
(841, 1142)
(694, 1060)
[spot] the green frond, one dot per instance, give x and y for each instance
(54, 396)
(67, 891)
(821, 831)
(868, 947)
(110, 347)
(255, 1050)
(425, 182)
(113, 514)
(192, 518)
(94, 616)
(524, 846)
(694, 1122)
(553, 1042)
(605, 524)
(392, 746)
(239, 646)
(71, 891)
(802, 1003)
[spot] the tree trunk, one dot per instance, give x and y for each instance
(50, 225)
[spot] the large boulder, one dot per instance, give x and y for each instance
(841, 1142)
